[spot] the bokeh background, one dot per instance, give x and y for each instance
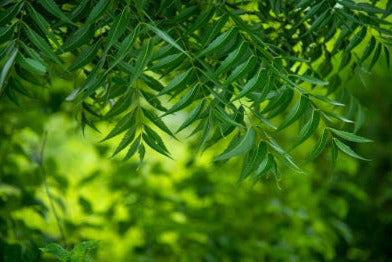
(189, 209)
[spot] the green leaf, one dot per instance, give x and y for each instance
(118, 27)
(327, 100)
(357, 39)
(244, 145)
(309, 128)
(177, 83)
(202, 20)
(6, 33)
(153, 100)
(80, 37)
(350, 136)
(376, 55)
(347, 150)
(31, 65)
(126, 140)
(185, 100)
(51, 7)
(142, 59)
(42, 23)
(258, 81)
(7, 15)
(6, 67)
(264, 167)
(157, 121)
(133, 148)
(57, 251)
(123, 124)
(368, 49)
(361, 6)
(232, 58)
(125, 47)
(155, 141)
(252, 160)
(97, 11)
(41, 44)
(320, 145)
(164, 36)
(85, 57)
(168, 62)
(192, 116)
(219, 42)
(221, 114)
(121, 105)
(241, 70)
(312, 80)
(295, 112)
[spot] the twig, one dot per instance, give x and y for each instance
(41, 163)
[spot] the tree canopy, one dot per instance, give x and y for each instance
(231, 66)
(248, 80)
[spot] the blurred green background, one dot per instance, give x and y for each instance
(189, 209)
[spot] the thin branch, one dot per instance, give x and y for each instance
(45, 182)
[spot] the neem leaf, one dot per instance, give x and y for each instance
(185, 100)
(41, 44)
(97, 11)
(78, 38)
(31, 65)
(85, 57)
(133, 148)
(347, 150)
(126, 140)
(258, 81)
(320, 145)
(264, 166)
(309, 128)
(51, 7)
(232, 58)
(312, 80)
(118, 28)
(192, 116)
(219, 42)
(241, 70)
(7, 66)
(164, 36)
(125, 46)
(155, 141)
(177, 83)
(141, 62)
(244, 145)
(7, 15)
(157, 121)
(350, 136)
(252, 160)
(169, 61)
(295, 112)
(123, 124)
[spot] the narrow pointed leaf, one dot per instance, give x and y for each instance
(232, 58)
(142, 59)
(126, 140)
(6, 67)
(241, 70)
(350, 136)
(347, 150)
(97, 11)
(244, 145)
(41, 44)
(309, 128)
(257, 82)
(320, 145)
(192, 116)
(118, 28)
(52, 7)
(177, 83)
(185, 101)
(219, 42)
(85, 57)
(295, 113)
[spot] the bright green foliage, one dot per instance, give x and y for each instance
(247, 63)
(259, 78)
